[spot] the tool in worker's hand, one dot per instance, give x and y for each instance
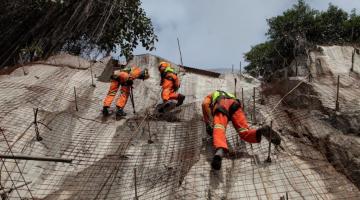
(132, 99)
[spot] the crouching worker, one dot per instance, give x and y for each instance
(170, 83)
(122, 79)
(218, 108)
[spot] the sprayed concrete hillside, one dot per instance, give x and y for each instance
(148, 157)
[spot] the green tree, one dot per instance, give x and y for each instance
(330, 26)
(291, 30)
(259, 58)
(75, 26)
(299, 29)
(352, 27)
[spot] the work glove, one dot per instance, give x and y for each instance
(144, 75)
(129, 82)
(114, 77)
(266, 130)
(209, 130)
(176, 88)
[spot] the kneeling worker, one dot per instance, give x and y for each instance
(218, 108)
(170, 83)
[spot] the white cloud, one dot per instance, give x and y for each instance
(216, 33)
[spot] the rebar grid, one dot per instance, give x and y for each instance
(171, 155)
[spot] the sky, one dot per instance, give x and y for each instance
(217, 33)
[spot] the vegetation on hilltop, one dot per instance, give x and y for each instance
(298, 30)
(39, 28)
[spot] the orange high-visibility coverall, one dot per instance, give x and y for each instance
(123, 79)
(170, 83)
(220, 121)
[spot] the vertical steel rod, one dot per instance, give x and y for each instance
(135, 184)
(132, 99)
(254, 117)
(337, 94)
(92, 78)
(352, 60)
(235, 80)
(240, 67)
(270, 135)
(242, 99)
(76, 106)
(181, 60)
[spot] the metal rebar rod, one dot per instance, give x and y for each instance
(352, 60)
(132, 99)
(4, 191)
(181, 60)
(37, 158)
(135, 184)
(149, 130)
(337, 94)
(76, 106)
(242, 99)
(35, 114)
(254, 118)
(240, 67)
(45, 125)
(38, 137)
(270, 137)
(235, 80)
(92, 78)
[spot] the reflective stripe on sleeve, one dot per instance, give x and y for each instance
(242, 129)
(219, 126)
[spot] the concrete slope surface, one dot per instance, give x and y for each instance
(145, 156)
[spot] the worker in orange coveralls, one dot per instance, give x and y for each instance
(170, 83)
(218, 108)
(122, 78)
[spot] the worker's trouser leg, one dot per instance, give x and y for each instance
(240, 124)
(114, 86)
(125, 92)
(219, 132)
(169, 94)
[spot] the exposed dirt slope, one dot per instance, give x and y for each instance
(152, 158)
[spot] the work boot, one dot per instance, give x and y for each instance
(181, 99)
(164, 106)
(216, 162)
(120, 112)
(265, 131)
(105, 111)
